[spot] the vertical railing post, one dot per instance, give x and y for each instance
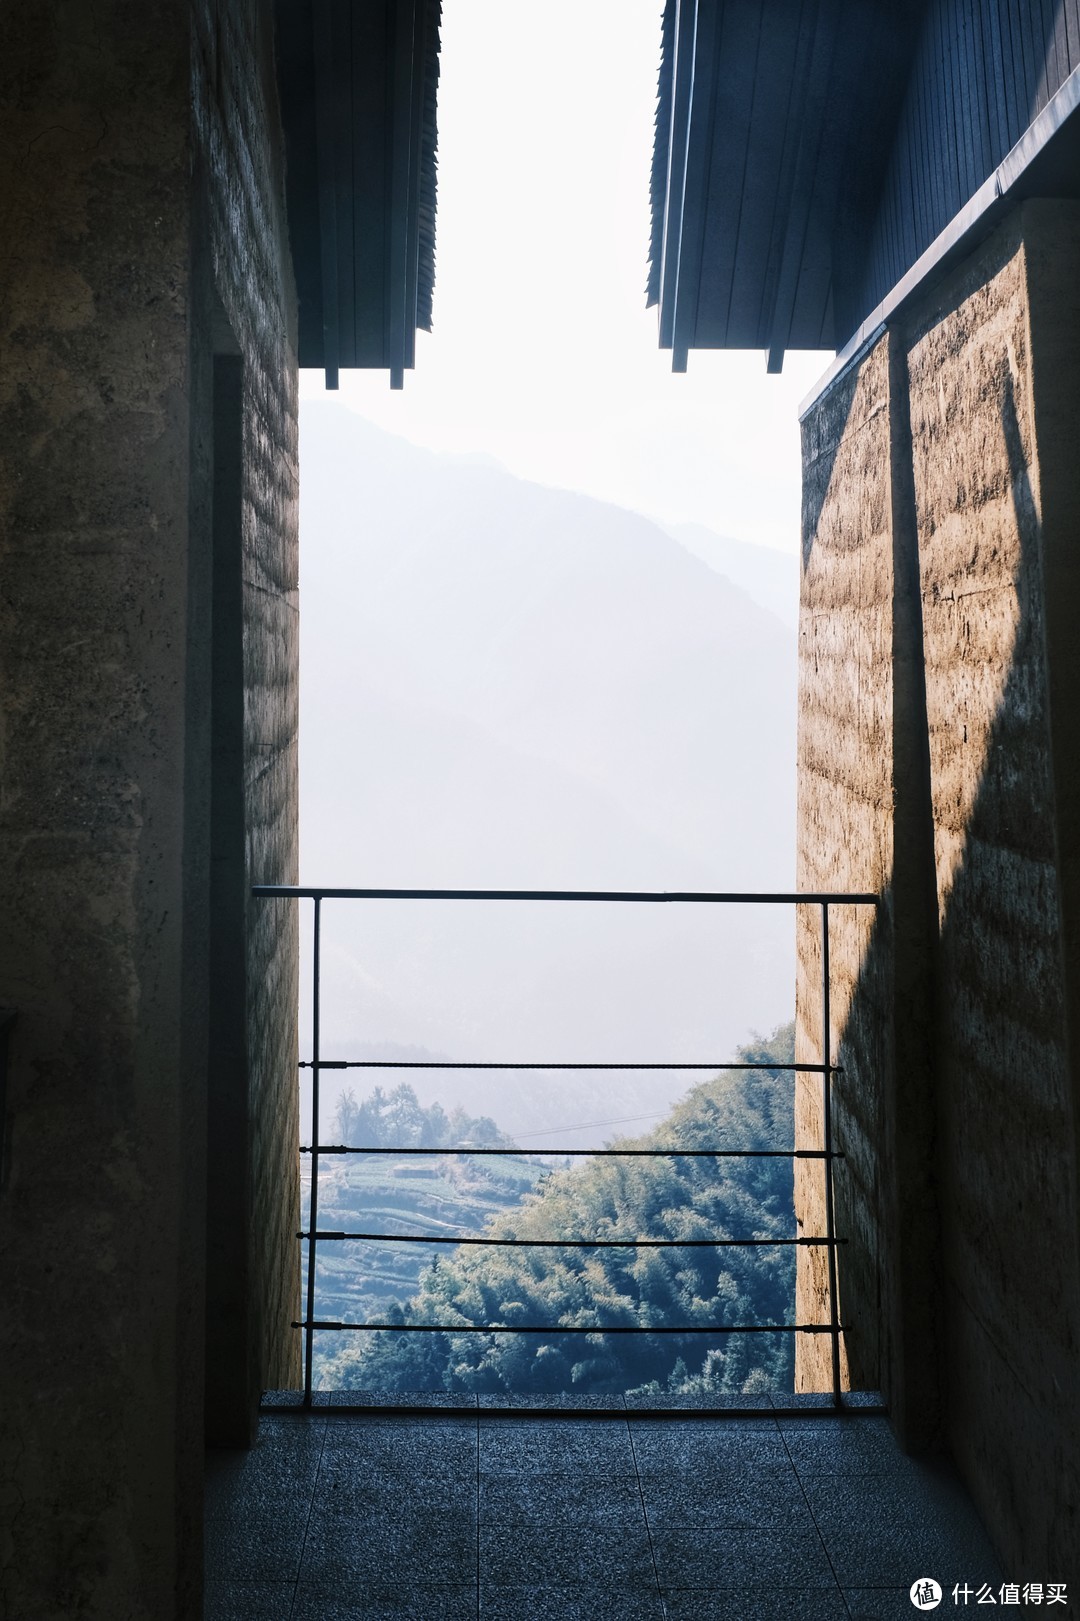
(826, 1083)
(313, 1198)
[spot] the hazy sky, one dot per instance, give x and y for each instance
(543, 354)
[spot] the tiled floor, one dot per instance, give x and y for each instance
(621, 1517)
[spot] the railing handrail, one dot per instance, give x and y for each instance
(708, 896)
(826, 1068)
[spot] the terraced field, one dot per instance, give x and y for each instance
(451, 1195)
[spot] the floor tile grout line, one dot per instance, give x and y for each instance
(813, 1520)
(645, 1517)
(307, 1523)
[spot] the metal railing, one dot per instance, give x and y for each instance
(826, 1154)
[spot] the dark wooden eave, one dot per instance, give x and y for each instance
(358, 81)
(773, 128)
(818, 163)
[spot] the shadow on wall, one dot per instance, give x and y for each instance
(954, 1106)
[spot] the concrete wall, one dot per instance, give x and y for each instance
(955, 1020)
(127, 230)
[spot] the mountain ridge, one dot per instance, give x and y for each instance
(508, 685)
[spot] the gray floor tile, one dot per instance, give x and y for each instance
(290, 1431)
(578, 1603)
(883, 1532)
(756, 1604)
(394, 1601)
(887, 1604)
(855, 1445)
(276, 1471)
(737, 1559)
(767, 1497)
(556, 1446)
(354, 1428)
(804, 1401)
(384, 1452)
(377, 1517)
(342, 1495)
(506, 1402)
(563, 1556)
(600, 1500)
(432, 1400)
(280, 1467)
(340, 1555)
(697, 1404)
(248, 1601)
(642, 1422)
(879, 1557)
(713, 1448)
(253, 1548)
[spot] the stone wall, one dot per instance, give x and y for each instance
(954, 1018)
(244, 278)
(127, 233)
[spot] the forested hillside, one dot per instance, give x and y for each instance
(392, 1193)
(632, 1198)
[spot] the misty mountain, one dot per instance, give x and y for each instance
(769, 576)
(505, 685)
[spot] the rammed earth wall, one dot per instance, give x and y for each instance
(938, 692)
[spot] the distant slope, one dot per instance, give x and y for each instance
(769, 576)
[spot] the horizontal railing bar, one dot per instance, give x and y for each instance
(594, 1153)
(558, 1328)
(573, 1243)
(418, 1063)
(715, 897)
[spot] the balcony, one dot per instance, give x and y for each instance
(554, 1507)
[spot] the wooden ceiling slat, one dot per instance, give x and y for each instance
(416, 131)
(710, 22)
(344, 184)
(369, 142)
(731, 93)
(794, 124)
(993, 48)
(682, 54)
(402, 46)
(983, 95)
(763, 181)
(322, 25)
(808, 180)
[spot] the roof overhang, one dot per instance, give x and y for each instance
(772, 131)
(358, 81)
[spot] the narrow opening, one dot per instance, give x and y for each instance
(548, 642)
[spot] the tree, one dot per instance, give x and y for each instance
(347, 1118)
